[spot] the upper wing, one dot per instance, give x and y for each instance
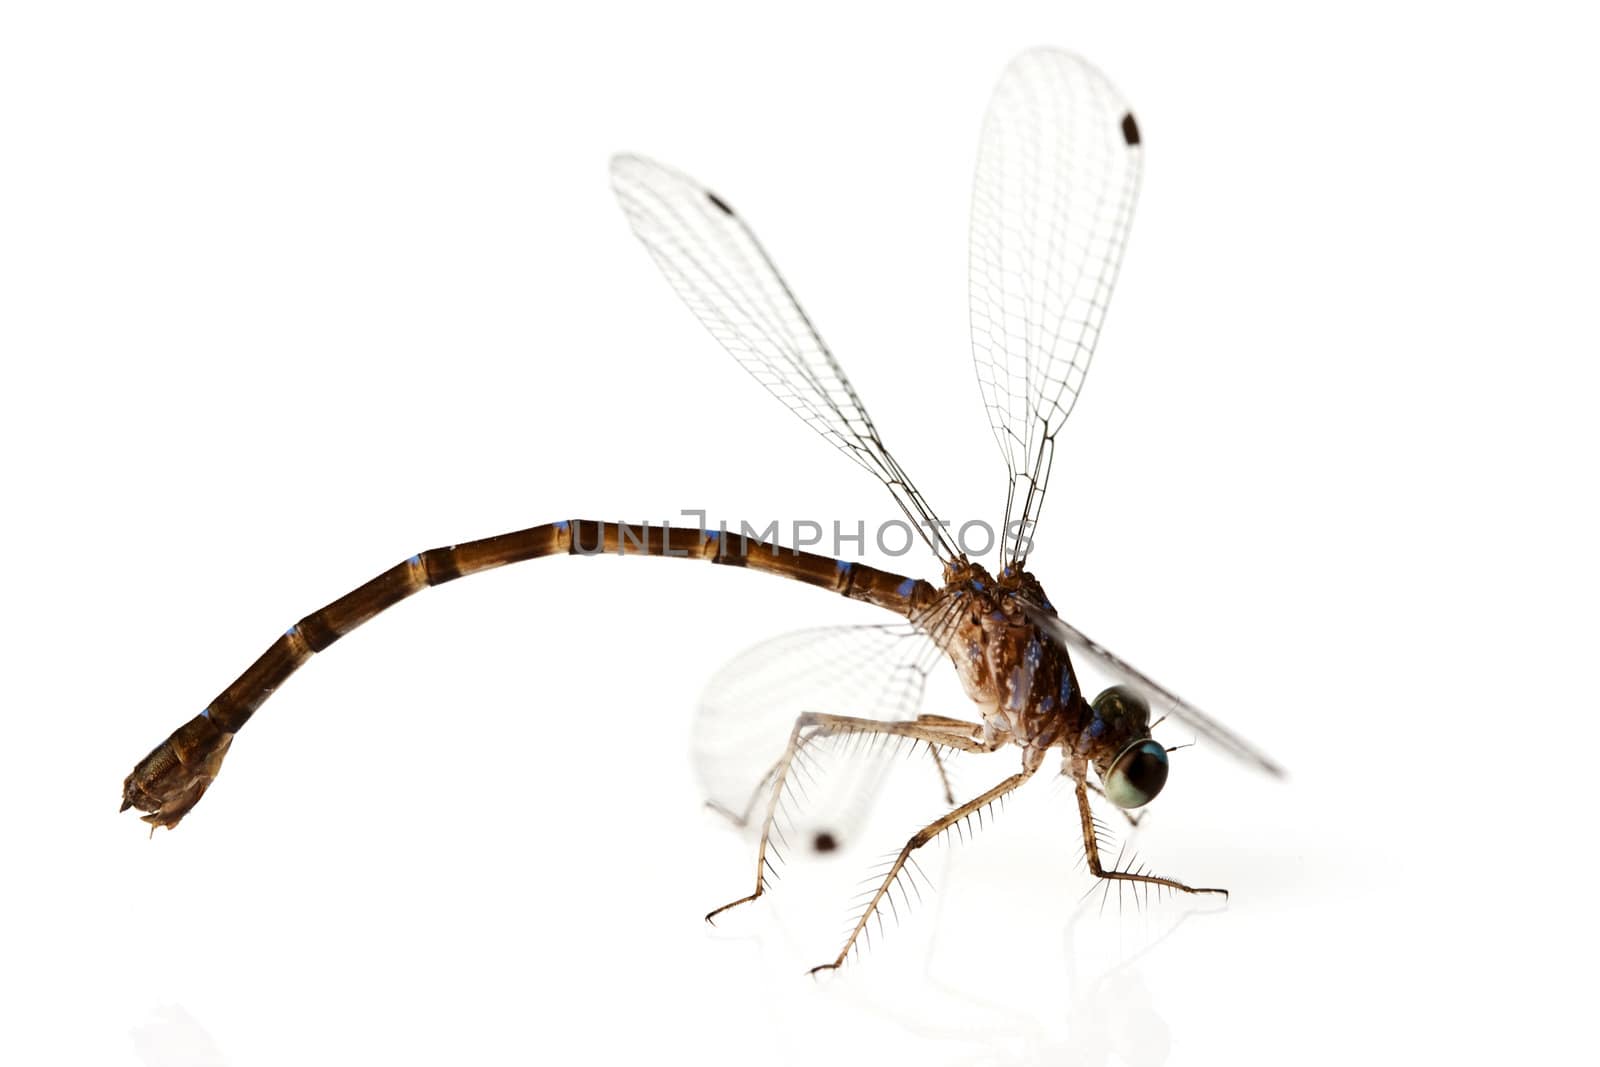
(1159, 697)
(1058, 174)
(721, 271)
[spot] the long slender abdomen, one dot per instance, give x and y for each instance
(578, 537)
(169, 781)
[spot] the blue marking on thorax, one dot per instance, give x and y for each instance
(997, 616)
(1097, 729)
(1066, 688)
(906, 587)
(977, 585)
(1006, 573)
(1047, 605)
(1018, 685)
(1021, 678)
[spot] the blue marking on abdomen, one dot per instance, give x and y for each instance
(906, 587)
(206, 714)
(563, 525)
(842, 567)
(416, 560)
(712, 535)
(291, 631)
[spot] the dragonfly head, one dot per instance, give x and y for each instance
(1137, 768)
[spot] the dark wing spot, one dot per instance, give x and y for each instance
(824, 842)
(1130, 134)
(723, 207)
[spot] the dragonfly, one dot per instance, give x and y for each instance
(1058, 174)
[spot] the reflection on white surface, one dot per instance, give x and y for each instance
(171, 1037)
(1107, 1013)
(1013, 957)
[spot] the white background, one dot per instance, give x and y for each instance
(289, 294)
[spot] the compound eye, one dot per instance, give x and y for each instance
(1123, 710)
(1137, 775)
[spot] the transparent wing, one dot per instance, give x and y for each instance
(1058, 174)
(1160, 698)
(713, 260)
(749, 708)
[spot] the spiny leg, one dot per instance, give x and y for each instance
(940, 723)
(943, 721)
(1091, 848)
(741, 819)
(953, 733)
(917, 840)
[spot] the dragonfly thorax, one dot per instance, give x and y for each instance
(1021, 679)
(1027, 689)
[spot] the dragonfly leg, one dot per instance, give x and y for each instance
(944, 779)
(953, 733)
(929, 719)
(1091, 848)
(741, 819)
(916, 841)
(940, 723)
(938, 761)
